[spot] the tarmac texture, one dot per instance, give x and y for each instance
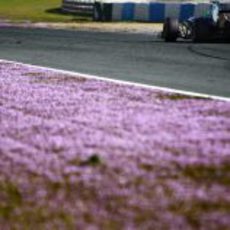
(141, 58)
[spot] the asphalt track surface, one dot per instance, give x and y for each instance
(201, 68)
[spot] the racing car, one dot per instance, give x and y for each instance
(214, 26)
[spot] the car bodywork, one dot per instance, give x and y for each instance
(213, 26)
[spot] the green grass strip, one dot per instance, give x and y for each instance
(37, 11)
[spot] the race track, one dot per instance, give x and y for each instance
(202, 68)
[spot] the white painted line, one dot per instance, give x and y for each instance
(95, 77)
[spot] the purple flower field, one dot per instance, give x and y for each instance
(78, 153)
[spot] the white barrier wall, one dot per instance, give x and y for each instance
(140, 10)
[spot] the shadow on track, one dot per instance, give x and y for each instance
(203, 53)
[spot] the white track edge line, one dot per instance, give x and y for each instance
(95, 77)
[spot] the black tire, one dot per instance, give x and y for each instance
(227, 31)
(170, 30)
(201, 31)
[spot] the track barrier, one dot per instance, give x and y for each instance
(137, 11)
(78, 6)
(148, 12)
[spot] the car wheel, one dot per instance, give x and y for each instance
(201, 31)
(227, 31)
(170, 30)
